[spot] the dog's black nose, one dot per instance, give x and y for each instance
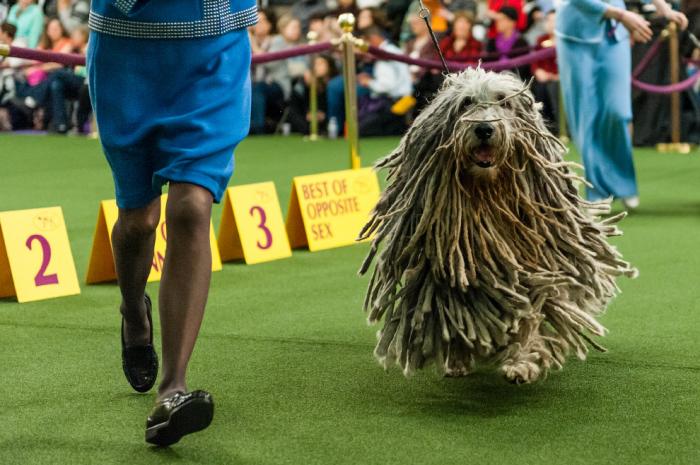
(484, 131)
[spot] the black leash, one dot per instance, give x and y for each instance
(424, 14)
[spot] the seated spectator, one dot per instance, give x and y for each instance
(263, 107)
(494, 8)
(397, 10)
(371, 17)
(7, 80)
(54, 39)
(32, 86)
(325, 25)
(460, 45)
(29, 20)
(299, 110)
(389, 82)
(508, 42)
(546, 85)
(8, 34)
(70, 85)
(73, 13)
(439, 16)
(535, 23)
(282, 72)
(347, 6)
(425, 81)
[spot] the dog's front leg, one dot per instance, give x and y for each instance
(522, 362)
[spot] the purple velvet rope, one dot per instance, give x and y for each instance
(291, 52)
(538, 55)
(646, 59)
(71, 59)
(68, 59)
(667, 89)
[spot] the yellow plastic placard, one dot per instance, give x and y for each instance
(329, 210)
(36, 262)
(101, 266)
(252, 227)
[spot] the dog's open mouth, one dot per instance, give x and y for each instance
(484, 156)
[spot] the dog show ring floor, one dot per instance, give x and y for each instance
(286, 352)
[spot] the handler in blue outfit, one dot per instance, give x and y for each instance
(169, 83)
(593, 50)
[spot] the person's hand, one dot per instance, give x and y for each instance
(637, 25)
(541, 75)
(364, 79)
(677, 17)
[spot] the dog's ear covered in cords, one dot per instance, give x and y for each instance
(485, 252)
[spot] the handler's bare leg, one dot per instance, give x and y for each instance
(133, 239)
(185, 282)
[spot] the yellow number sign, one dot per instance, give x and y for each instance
(251, 225)
(329, 210)
(101, 266)
(35, 257)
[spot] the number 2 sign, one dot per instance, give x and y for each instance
(251, 225)
(35, 256)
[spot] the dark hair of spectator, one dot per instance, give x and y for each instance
(319, 16)
(509, 12)
(9, 29)
(332, 65)
(271, 18)
(45, 41)
(373, 30)
(468, 15)
(531, 20)
(379, 17)
(351, 7)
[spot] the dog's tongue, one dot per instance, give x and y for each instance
(484, 155)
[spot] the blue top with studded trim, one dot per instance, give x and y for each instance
(171, 19)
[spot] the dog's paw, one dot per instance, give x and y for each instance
(522, 372)
(455, 372)
(456, 369)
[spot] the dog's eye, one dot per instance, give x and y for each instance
(504, 101)
(466, 103)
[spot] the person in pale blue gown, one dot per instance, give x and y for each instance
(593, 51)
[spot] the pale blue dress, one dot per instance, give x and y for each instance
(595, 73)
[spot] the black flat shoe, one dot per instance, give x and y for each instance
(140, 363)
(179, 415)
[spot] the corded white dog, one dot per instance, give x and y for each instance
(490, 255)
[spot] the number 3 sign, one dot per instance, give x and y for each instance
(251, 225)
(35, 257)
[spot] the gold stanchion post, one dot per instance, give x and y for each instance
(563, 125)
(312, 36)
(348, 42)
(676, 145)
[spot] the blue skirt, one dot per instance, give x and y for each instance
(169, 110)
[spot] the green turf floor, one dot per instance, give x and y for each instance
(288, 357)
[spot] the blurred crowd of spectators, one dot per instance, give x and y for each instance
(55, 98)
(44, 96)
(390, 93)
